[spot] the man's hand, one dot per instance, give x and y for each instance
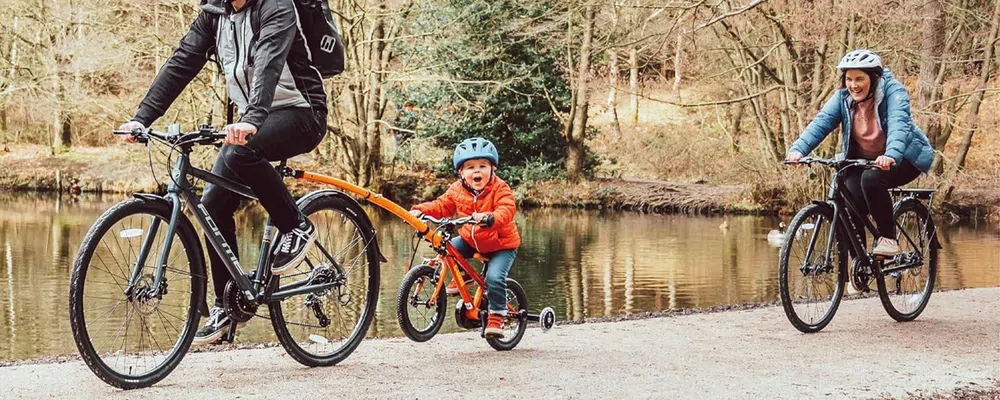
(238, 133)
(130, 126)
(416, 213)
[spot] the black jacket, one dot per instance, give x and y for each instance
(276, 43)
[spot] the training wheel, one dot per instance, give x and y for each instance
(547, 319)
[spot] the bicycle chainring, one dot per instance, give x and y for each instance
(236, 304)
(861, 277)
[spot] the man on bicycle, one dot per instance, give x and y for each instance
(271, 78)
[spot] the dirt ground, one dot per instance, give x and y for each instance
(951, 351)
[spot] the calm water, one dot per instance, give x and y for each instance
(582, 263)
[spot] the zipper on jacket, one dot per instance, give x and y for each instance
(236, 76)
(475, 243)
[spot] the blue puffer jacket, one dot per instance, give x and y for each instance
(904, 140)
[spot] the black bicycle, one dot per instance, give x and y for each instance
(823, 235)
(138, 283)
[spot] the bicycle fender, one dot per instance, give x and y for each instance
(202, 308)
(355, 207)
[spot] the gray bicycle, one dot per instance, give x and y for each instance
(138, 283)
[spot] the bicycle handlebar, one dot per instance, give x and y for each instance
(204, 135)
(835, 163)
(488, 221)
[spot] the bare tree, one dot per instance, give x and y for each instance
(575, 131)
(977, 100)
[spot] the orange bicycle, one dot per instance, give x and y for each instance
(421, 302)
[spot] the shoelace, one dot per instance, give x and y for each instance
(215, 316)
(286, 241)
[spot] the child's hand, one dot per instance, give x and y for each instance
(485, 218)
(416, 213)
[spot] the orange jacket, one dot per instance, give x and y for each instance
(497, 198)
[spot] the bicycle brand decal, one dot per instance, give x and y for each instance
(218, 235)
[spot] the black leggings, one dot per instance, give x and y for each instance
(869, 191)
(285, 133)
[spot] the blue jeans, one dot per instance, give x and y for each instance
(496, 274)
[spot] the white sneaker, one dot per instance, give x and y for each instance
(886, 247)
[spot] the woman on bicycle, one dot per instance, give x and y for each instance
(282, 106)
(873, 111)
(489, 200)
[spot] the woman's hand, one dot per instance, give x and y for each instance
(238, 133)
(130, 126)
(416, 213)
(793, 157)
(884, 163)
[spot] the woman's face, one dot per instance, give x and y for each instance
(858, 84)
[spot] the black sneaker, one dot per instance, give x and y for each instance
(214, 328)
(292, 246)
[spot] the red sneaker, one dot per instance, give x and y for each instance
(494, 326)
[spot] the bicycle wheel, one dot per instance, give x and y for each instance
(811, 286)
(514, 324)
(907, 280)
(323, 328)
(134, 341)
(418, 318)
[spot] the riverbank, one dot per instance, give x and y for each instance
(121, 169)
(951, 351)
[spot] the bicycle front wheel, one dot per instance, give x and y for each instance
(322, 328)
(811, 284)
(907, 280)
(133, 338)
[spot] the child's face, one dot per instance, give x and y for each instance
(476, 173)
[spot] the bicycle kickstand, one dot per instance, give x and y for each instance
(230, 333)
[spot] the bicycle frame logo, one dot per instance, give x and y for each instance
(218, 235)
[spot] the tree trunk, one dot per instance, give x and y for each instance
(977, 100)
(937, 167)
(678, 51)
(613, 92)
(633, 85)
(931, 52)
(575, 155)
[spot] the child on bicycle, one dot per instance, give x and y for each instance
(490, 201)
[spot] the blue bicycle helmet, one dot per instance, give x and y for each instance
(474, 148)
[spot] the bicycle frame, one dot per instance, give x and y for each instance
(180, 192)
(843, 221)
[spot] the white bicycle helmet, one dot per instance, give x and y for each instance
(860, 59)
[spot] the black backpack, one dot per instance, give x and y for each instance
(325, 47)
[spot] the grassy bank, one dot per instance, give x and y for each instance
(122, 169)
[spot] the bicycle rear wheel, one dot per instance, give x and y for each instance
(514, 323)
(810, 285)
(323, 328)
(907, 280)
(133, 340)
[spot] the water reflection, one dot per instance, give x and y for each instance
(582, 263)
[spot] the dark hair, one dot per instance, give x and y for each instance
(874, 74)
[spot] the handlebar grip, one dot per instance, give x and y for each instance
(488, 221)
